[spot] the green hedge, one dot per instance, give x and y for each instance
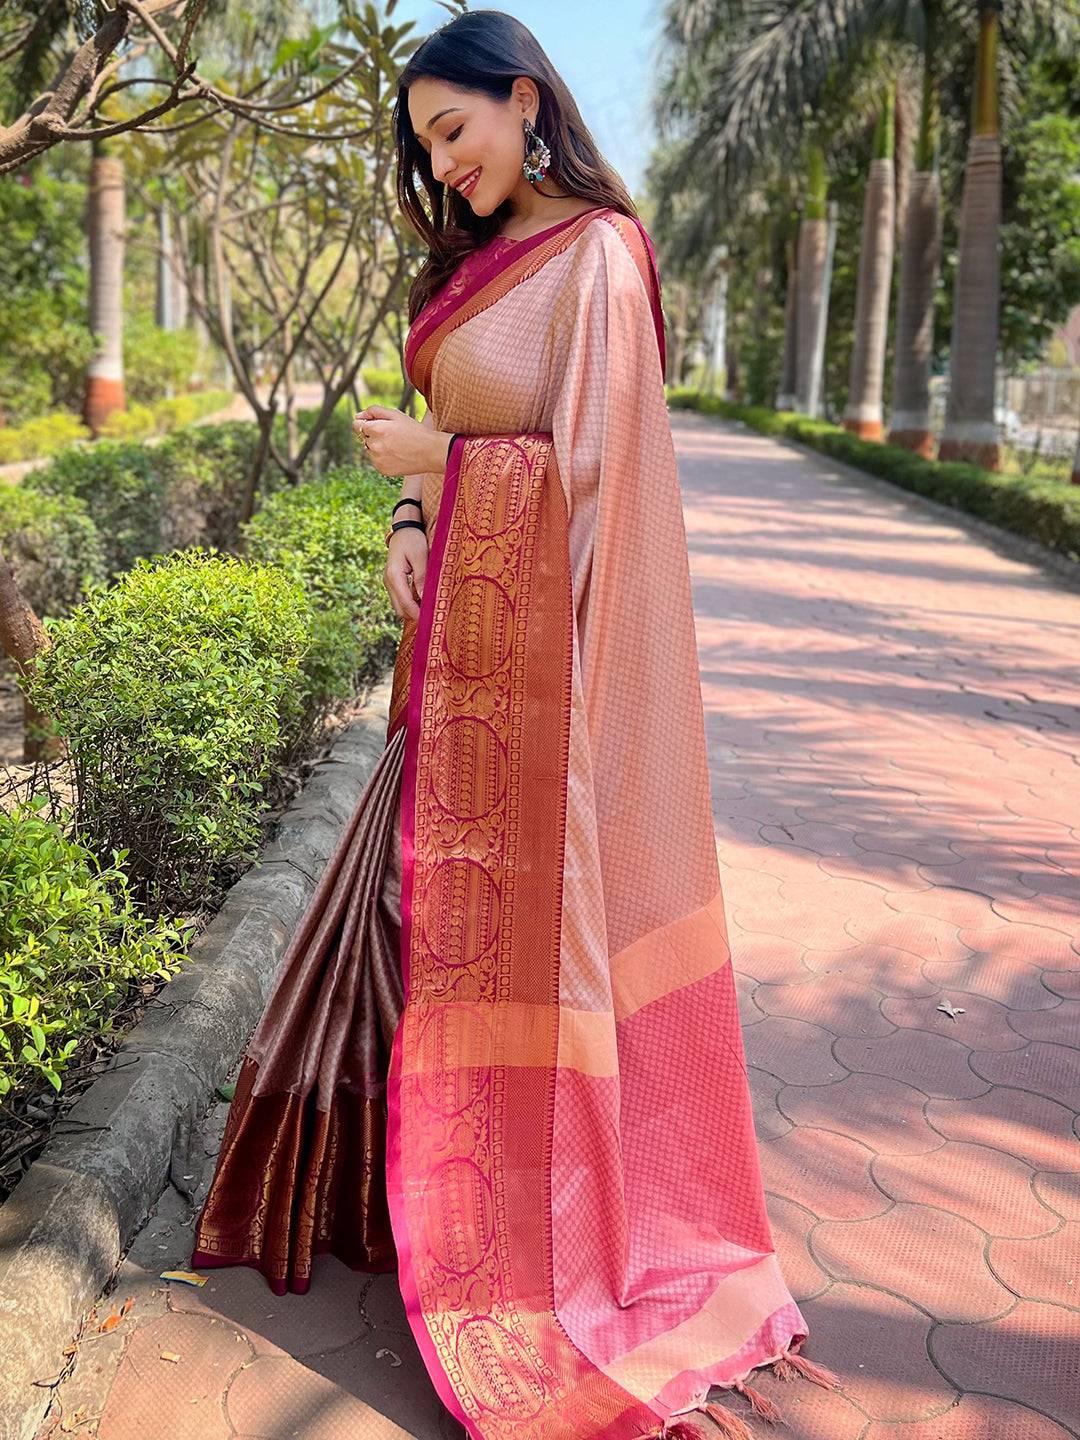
(53, 546)
(161, 417)
(149, 499)
(328, 535)
(73, 945)
(44, 435)
(1038, 508)
(54, 434)
(175, 691)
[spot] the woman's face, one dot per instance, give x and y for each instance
(465, 130)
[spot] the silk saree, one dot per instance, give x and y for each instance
(503, 1052)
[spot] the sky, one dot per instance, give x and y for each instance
(603, 50)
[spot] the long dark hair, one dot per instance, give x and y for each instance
(486, 50)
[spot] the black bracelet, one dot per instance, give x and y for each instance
(408, 524)
(451, 445)
(405, 500)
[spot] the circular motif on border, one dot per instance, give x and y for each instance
(497, 486)
(460, 907)
(451, 1031)
(499, 1372)
(468, 766)
(479, 627)
(458, 1221)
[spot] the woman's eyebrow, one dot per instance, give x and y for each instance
(450, 110)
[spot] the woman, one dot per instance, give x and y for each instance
(514, 981)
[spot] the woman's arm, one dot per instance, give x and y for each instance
(411, 484)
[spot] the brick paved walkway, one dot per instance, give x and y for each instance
(893, 713)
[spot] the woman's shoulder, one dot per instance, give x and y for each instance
(621, 242)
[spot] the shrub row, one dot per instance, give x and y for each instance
(1033, 506)
(183, 684)
(52, 434)
(161, 417)
(184, 687)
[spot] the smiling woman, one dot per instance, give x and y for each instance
(503, 1054)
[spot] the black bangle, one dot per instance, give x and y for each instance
(408, 524)
(405, 500)
(451, 445)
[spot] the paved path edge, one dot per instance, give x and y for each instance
(1009, 542)
(68, 1223)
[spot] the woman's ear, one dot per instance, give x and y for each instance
(526, 94)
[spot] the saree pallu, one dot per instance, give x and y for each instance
(572, 1181)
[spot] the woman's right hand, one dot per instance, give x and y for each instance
(406, 563)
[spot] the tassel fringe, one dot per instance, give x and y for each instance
(677, 1430)
(760, 1404)
(732, 1427)
(791, 1364)
(729, 1425)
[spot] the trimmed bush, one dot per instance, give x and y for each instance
(121, 488)
(149, 499)
(328, 535)
(134, 423)
(382, 382)
(53, 546)
(47, 435)
(72, 947)
(202, 472)
(1039, 509)
(53, 434)
(174, 690)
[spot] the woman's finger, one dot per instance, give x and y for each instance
(401, 596)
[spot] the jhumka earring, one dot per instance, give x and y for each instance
(537, 155)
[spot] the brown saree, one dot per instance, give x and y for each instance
(530, 985)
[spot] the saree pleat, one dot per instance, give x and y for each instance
(302, 1166)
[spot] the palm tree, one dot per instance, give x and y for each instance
(971, 431)
(817, 235)
(105, 223)
(785, 398)
(778, 59)
(920, 267)
(874, 286)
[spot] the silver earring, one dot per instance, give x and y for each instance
(537, 155)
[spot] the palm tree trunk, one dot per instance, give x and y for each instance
(785, 399)
(920, 267)
(971, 432)
(164, 309)
(863, 414)
(105, 375)
(715, 377)
(181, 308)
(813, 295)
(678, 318)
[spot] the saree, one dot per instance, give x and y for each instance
(503, 1053)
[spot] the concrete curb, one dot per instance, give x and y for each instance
(72, 1217)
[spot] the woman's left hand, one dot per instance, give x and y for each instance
(397, 444)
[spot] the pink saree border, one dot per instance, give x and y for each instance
(483, 266)
(480, 266)
(406, 1270)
